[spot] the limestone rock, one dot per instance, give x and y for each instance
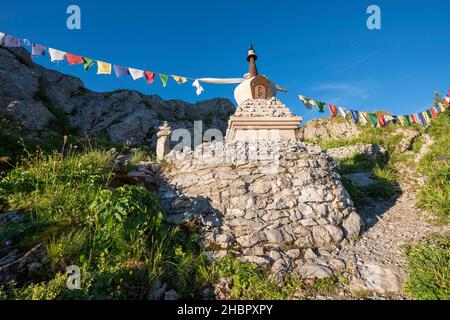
(381, 279)
(325, 129)
(20, 270)
(157, 290)
(361, 179)
(312, 270)
(353, 225)
(371, 151)
(32, 94)
(171, 295)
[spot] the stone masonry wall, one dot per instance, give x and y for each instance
(262, 202)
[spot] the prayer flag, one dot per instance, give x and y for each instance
(56, 55)
(74, 59)
(12, 42)
(37, 50)
(447, 101)
(121, 71)
(412, 118)
(373, 119)
(387, 118)
(179, 79)
(164, 78)
(441, 106)
(355, 116)
(343, 112)
(381, 120)
(394, 119)
(407, 120)
(426, 117)
(150, 76)
(363, 118)
(401, 119)
(197, 85)
(136, 73)
(434, 112)
(2, 37)
(321, 106)
(422, 119)
(103, 67)
(88, 62)
(333, 110)
(309, 103)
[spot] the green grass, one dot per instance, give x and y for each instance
(384, 171)
(358, 197)
(116, 236)
(429, 272)
(435, 195)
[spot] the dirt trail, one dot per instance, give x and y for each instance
(378, 257)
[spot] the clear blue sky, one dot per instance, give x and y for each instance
(321, 49)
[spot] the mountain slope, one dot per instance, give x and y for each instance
(43, 99)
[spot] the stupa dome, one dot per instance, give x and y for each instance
(258, 87)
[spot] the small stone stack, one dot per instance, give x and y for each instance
(263, 201)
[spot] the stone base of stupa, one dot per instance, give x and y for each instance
(261, 119)
(261, 201)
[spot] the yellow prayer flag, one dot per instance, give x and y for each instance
(427, 118)
(363, 118)
(103, 67)
(179, 79)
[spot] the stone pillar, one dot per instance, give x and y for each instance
(163, 143)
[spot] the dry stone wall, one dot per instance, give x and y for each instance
(264, 202)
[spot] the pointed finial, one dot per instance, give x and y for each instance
(251, 58)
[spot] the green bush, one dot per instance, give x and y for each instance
(429, 272)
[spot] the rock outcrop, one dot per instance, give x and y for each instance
(327, 129)
(371, 151)
(38, 97)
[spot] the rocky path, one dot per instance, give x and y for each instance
(378, 257)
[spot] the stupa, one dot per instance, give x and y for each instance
(260, 115)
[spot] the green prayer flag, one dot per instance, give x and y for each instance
(321, 106)
(408, 120)
(88, 62)
(164, 78)
(373, 119)
(429, 114)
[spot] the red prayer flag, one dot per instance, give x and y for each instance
(380, 119)
(412, 118)
(447, 101)
(433, 113)
(150, 76)
(74, 59)
(333, 110)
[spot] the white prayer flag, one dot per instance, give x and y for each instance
(136, 74)
(343, 112)
(56, 55)
(197, 85)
